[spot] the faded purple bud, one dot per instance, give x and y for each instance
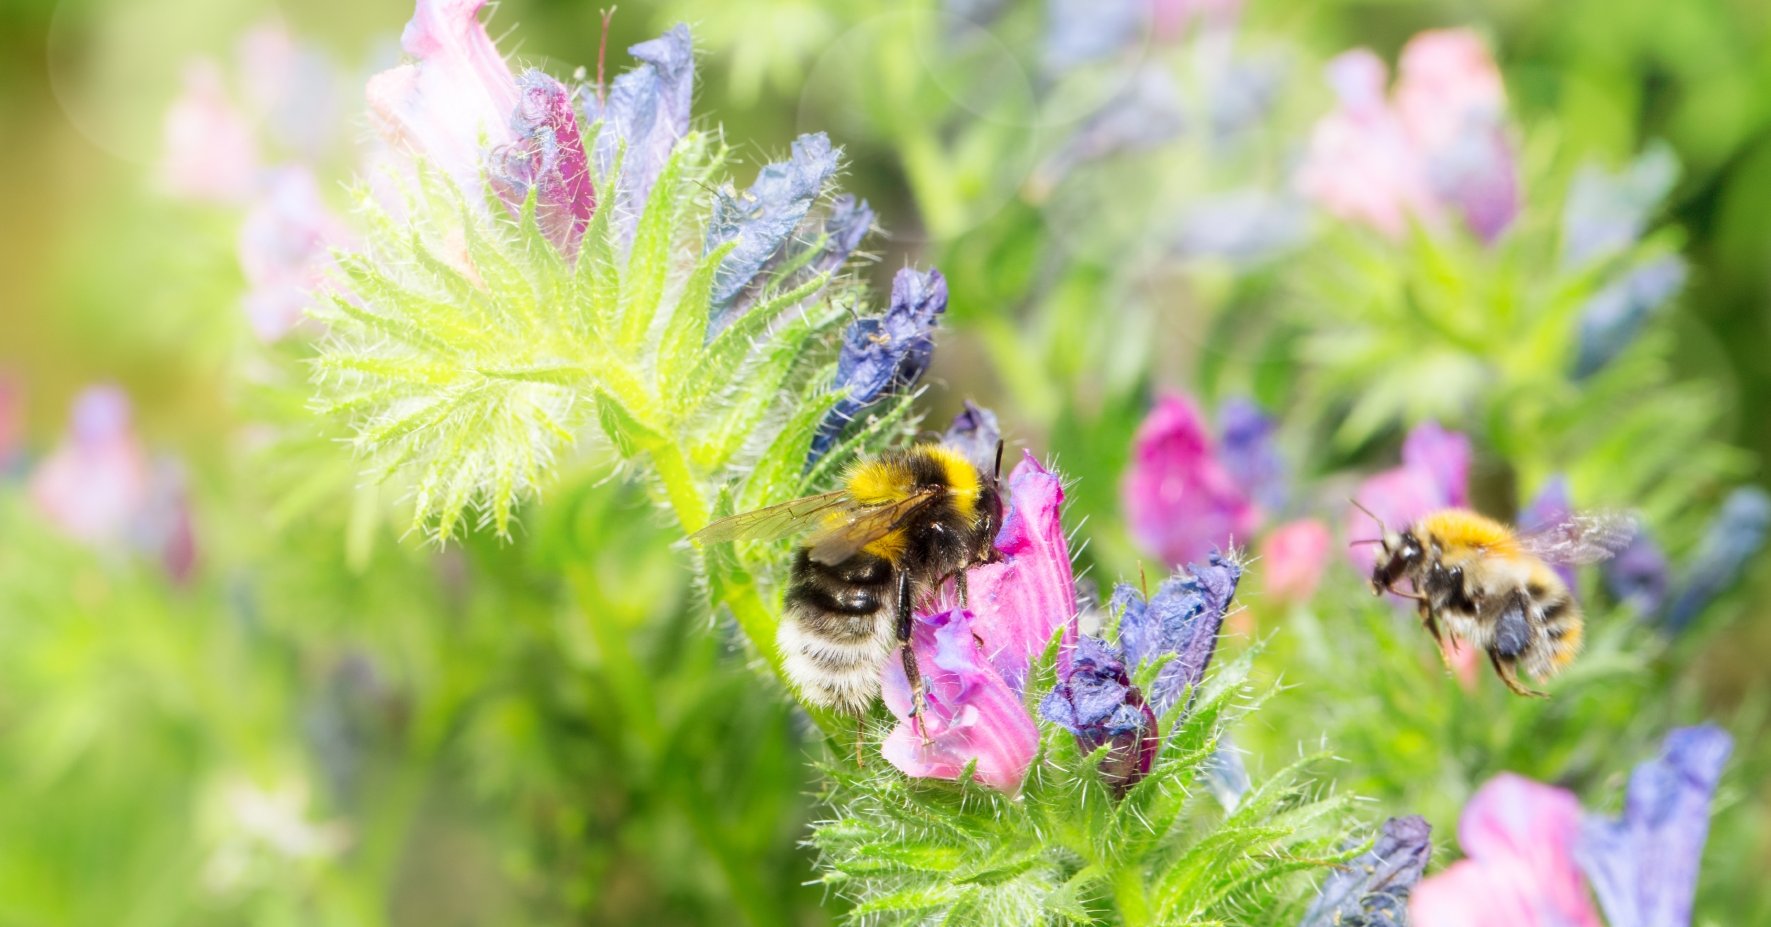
(647, 110)
(1614, 316)
(1607, 212)
(973, 714)
(1549, 507)
(1732, 540)
(1371, 890)
(885, 355)
(1179, 498)
(1096, 701)
(548, 158)
(1144, 115)
(1637, 577)
(974, 432)
(1183, 619)
(764, 218)
(162, 530)
(210, 154)
(1643, 865)
(284, 250)
(1250, 454)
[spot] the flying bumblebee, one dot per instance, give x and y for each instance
(1495, 587)
(902, 523)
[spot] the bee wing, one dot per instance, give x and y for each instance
(854, 528)
(1583, 537)
(776, 521)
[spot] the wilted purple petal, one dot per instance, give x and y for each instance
(1181, 502)
(1096, 701)
(1643, 865)
(210, 154)
(1549, 507)
(848, 221)
(764, 218)
(1144, 115)
(455, 102)
(1183, 618)
(95, 483)
(285, 250)
(1519, 838)
(975, 434)
(972, 714)
(1613, 317)
(648, 111)
(1607, 212)
(547, 157)
(1732, 540)
(885, 355)
(1637, 577)
(1243, 226)
(1435, 474)
(1372, 889)
(1250, 454)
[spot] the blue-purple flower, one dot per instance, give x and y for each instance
(1613, 317)
(764, 218)
(647, 110)
(1735, 536)
(885, 355)
(547, 157)
(1637, 577)
(1096, 701)
(1180, 621)
(1549, 507)
(847, 222)
(1643, 864)
(1371, 890)
(1249, 451)
(1145, 114)
(975, 433)
(1607, 212)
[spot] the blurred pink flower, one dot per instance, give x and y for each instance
(1518, 837)
(973, 713)
(454, 104)
(210, 152)
(975, 661)
(1180, 500)
(1293, 556)
(293, 86)
(548, 156)
(1435, 474)
(1442, 144)
(284, 250)
(92, 486)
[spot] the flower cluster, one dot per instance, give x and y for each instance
(1187, 493)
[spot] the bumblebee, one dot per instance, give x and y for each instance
(903, 523)
(1495, 587)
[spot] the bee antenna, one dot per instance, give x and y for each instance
(1380, 522)
(1365, 541)
(998, 476)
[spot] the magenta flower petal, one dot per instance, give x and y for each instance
(1519, 838)
(210, 153)
(1361, 164)
(1644, 863)
(973, 715)
(1293, 556)
(1020, 601)
(547, 157)
(1181, 502)
(455, 102)
(92, 487)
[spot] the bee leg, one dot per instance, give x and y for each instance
(959, 584)
(1431, 622)
(907, 623)
(1508, 675)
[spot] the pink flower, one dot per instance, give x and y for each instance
(974, 662)
(292, 86)
(1519, 837)
(547, 156)
(1440, 146)
(1435, 474)
(454, 104)
(210, 152)
(1293, 556)
(93, 485)
(1180, 500)
(284, 250)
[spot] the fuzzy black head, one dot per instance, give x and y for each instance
(1400, 555)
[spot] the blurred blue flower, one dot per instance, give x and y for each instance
(1372, 889)
(1643, 864)
(764, 218)
(1607, 212)
(1096, 701)
(1145, 114)
(1182, 619)
(547, 156)
(1613, 317)
(1242, 226)
(1225, 775)
(648, 111)
(1247, 448)
(1080, 31)
(1549, 507)
(1735, 536)
(975, 433)
(887, 354)
(1638, 576)
(847, 222)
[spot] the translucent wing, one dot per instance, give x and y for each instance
(776, 521)
(1583, 537)
(849, 530)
